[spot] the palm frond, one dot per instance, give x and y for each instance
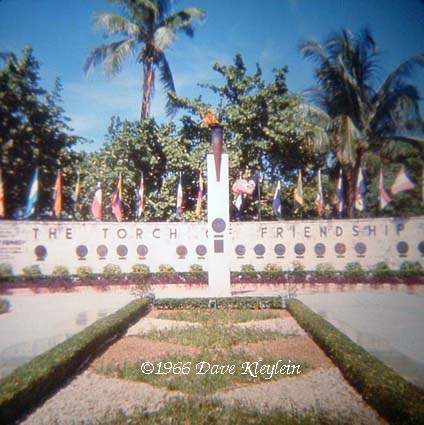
(167, 29)
(347, 138)
(403, 70)
(167, 82)
(111, 55)
(114, 24)
(313, 50)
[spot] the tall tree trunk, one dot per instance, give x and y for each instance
(351, 175)
(148, 83)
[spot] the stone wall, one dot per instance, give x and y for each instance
(73, 244)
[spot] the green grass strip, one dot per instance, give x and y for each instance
(219, 316)
(394, 398)
(208, 371)
(198, 410)
(29, 384)
(214, 336)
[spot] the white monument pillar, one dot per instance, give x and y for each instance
(219, 249)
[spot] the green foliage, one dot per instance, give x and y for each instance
(213, 316)
(193, 383)
(33, 133)
(411, 269)
(4, 305)
(6, 270)
(48, 371)
(354, 271)
(84, 272)
(248, 270)
(361, 122)
(252, 303)
(393, 397)
(194, 410)
(32, 272)
(61, 272)
(382, 271)
(298, 269)
(141, 269)
(111, 271)
(166, 270)
(325, 271)
(273, 269)
(150, 26)
(196, 270)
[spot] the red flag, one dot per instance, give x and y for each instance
(199, 197)
(96, 206)
(384, 196)
(58, 195)
(117, 201)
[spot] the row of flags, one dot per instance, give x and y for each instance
(240, 188)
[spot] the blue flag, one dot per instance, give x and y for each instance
(33, 196)
(276, 203)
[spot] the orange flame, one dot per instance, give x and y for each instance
(209, 118)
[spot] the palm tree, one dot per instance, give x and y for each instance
(149, 24)
(359, 118)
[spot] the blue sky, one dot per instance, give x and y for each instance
(267, 32)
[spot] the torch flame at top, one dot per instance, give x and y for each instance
(209, 118)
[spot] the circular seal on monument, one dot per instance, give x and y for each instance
(218, 225)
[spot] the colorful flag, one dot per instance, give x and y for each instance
(402, 182)
(276, 203)
(179, 209)
(360, 191)
(96, 206)
(319, 198)
(77, 194)
(57, 209)
(33, 196)
(2, 208)
(117, 206)
(340, 192)
(298, 193)
(199, 197)
(384, 196)
(140, 201)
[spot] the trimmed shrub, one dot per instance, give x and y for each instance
(411, 269)
(254, 303)
(84, 272)
(4, 305)
(32, 272)
(166, 270)
(248, 270)
(48, 371)
(60, 272)
(298, 269)
(111, 271)
(141, 269)
(325, 271)
(273, 269)
(354, 271)
(196, 270)
(6, 270)
(382, 271)
(397, 400)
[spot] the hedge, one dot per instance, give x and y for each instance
(29, 384)
(221, 303)
(394, 398)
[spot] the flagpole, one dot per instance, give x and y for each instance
(259, 198)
